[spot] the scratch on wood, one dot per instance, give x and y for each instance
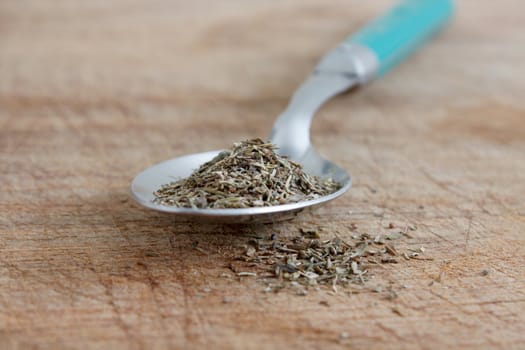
(442, 185)
(119, 320)
(467, 233)
(390, 331)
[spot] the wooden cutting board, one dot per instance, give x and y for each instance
(93, 92)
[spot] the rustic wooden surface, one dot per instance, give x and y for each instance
(92, 92)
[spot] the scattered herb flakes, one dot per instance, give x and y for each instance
(251, 174)
(397, 311)
(309, 232)
(245, 274)
(306, 261)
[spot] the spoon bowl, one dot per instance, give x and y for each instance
(151, 179)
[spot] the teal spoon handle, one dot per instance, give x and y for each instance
(400, 31)
(369, 53)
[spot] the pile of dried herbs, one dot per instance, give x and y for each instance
(251, 174)
(306, 260)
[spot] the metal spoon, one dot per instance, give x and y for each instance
(369, 53)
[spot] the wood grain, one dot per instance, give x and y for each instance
(92, 92)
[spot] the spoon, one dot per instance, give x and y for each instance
(368, 54)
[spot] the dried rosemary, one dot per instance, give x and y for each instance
(251, 174)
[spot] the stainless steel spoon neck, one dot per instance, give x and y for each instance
(342, 68)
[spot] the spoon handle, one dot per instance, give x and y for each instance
(397, 33)
(369, 53)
